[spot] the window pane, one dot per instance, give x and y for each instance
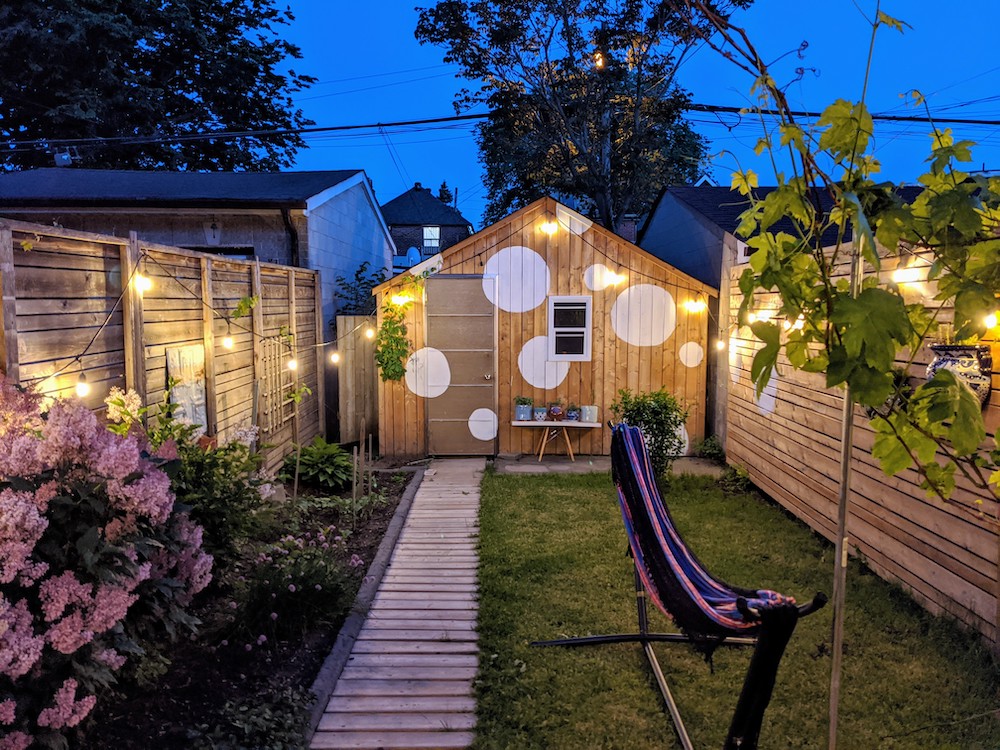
(432, 233)
(569, 315)
(570, 343)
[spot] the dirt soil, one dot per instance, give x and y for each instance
(203, 677)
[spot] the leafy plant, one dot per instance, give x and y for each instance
(523, 401)
(711, 449)
(244, 306)
(276, 721)
(323, 465)
(392, 347)
(660, 416)
(354, 296)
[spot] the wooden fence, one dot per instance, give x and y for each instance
(71, 305)
(945, 554)
(357, 377)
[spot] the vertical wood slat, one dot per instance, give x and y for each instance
(293, 330)
(132, 317)
(8, 310)
(257, 339)
(321, 356)
(208, 319)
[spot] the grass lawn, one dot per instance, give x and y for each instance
(553, 564)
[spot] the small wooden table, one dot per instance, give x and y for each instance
(551, 430)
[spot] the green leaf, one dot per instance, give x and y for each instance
(870, 324)
(766, 358)
(888, 449)
(744, 182)
(892, 23)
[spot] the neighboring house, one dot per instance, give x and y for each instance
(328, 221)
(422, 225)
(543, 304)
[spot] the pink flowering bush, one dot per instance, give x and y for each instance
(95, 557)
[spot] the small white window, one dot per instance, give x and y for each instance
(743, 252)
(432, 239)
(570, 329)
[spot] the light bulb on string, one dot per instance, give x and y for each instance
(370, 333)
(143, 283)
(227, 340)
(335, 358)
(549, 227)
(991, 320)
(82, 386)
(720, 344)
(293, 364)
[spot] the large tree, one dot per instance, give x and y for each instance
(582, 97)
(151, 77)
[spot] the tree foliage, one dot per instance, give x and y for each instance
(154, 74)
(445, 194)
(582, 98)
(947, 226)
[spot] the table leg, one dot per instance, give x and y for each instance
(569, 446)
(543, 442)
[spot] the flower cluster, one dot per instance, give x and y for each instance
(88, 531)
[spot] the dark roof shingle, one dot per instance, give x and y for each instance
(70, 186)
(418, 206)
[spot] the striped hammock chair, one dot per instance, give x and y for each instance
(708, 611)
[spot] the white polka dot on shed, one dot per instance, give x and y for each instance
(427, 372)
(483, 424)
(644, 315)
(522, 279)
(535, 367)
(691, 354)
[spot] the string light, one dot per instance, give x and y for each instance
(549, 227)
(227, 340)
(720, 344)
(399, 300)
(695, 305)
(370, 333)
(293, 364)
(143, 283)
(335, 358)
(82, 386)
(991, 320)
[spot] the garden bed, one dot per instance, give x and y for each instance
(219, 688)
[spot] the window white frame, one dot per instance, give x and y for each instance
(743, 252)
(432, 239)
(586, 332)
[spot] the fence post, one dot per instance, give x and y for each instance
(132, 318)
(8, 347)
(256, 339)
(208, 320)
(293, 330)
(321, 363)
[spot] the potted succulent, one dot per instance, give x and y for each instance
(556, 410)
(572, 413)
(541, 413)
(522, 408)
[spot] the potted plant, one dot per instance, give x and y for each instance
(573, 413)
(541, 413)
(556, 410)
(588, 413)
(971, 363)
(522, 408)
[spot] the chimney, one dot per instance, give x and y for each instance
(628, 227)
(417, 186)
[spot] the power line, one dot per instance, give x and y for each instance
(230, 134)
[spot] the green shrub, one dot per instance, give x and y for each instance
(660, 416)
(273, 721)
(711, 448)
(322, 465)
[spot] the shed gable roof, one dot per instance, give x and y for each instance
(106, 187)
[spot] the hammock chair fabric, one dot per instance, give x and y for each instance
(708, 611)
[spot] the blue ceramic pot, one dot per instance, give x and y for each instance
(971, 363)
(541, 413)
(522, 413)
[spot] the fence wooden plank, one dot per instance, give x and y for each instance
(135, 360)
(208, 319)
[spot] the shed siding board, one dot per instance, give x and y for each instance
(614, 363)
(943, 553)
(68, 284)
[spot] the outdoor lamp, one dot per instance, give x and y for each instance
(82, 386)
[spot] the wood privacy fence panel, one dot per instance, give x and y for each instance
(358, 378)
(945, 554)
(63, 294)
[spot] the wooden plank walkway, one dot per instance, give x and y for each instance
(408, 681)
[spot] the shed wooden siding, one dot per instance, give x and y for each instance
(944, 554)
(65, 284)
(615, 363)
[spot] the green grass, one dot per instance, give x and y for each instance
(553, 564)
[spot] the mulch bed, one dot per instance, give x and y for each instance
(203, 676)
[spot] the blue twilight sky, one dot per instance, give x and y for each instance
(371, 69)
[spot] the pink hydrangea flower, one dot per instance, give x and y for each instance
(7, 711)
(111, 658)
(15, 741)
(61, 591)
(20, 647)
(21, 526)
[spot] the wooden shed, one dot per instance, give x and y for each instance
(548, 305)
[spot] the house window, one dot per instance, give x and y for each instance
(743, 252)
(432, 239)
(570, 329)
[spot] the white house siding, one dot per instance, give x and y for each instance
(344, 232)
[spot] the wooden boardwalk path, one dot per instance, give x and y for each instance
(408, 681)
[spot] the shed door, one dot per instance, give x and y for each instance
(462, 420)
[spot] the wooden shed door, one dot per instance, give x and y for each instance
(462, 421)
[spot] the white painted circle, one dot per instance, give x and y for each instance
(691, 354)
(522, 279)
(427, 372)
(535, 367)
(644, 315)
(767, 398)
(572, 221)
(483, 424)
(598, 277)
